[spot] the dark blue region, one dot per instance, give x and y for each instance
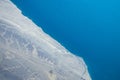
(87, 28)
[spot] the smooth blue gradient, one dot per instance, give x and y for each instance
(88, 28)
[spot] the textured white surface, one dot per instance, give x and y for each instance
(27, 53)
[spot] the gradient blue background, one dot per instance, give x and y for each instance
(88, 28)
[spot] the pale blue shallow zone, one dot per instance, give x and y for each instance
(88, 28)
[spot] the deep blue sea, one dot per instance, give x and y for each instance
(87, 28)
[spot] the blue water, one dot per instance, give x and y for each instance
(88, 28)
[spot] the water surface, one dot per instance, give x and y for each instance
(87, 28)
